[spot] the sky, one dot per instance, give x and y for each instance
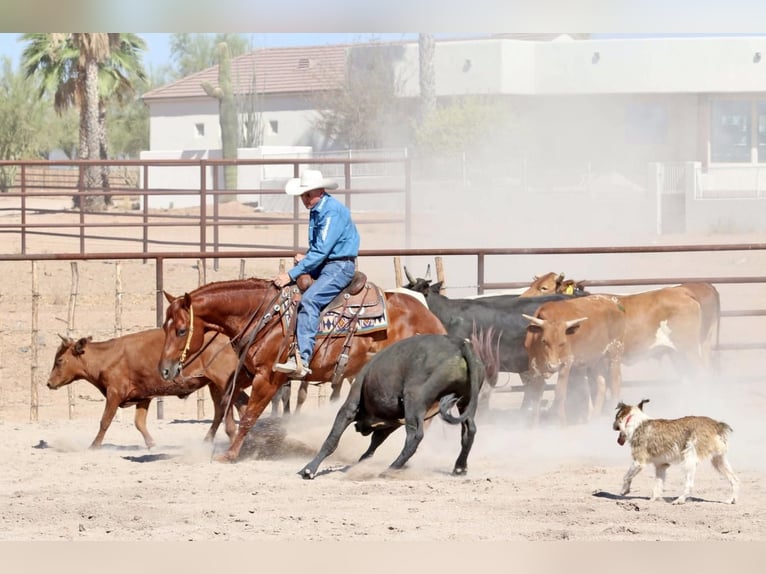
(158, 44)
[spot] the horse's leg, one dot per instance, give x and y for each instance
(142, 408)
(336, 389)
(303, 393)
(282, 396)
(241, 402)
(263, 390)
(218, 408)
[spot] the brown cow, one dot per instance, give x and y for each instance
(583, 335)
(551, 283)
(124, 370)
(669, 327)
(666, 321)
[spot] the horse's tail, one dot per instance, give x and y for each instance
(472, 353)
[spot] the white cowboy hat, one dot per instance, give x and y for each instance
(309, 179)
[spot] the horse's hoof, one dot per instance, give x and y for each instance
(459, 471)
(225, 457)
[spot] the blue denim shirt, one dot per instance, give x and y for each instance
(332, 235)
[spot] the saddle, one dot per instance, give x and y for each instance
(361, 301)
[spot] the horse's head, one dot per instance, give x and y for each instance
(184, 334)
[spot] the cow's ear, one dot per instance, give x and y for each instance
(79, 347)
(642, 403)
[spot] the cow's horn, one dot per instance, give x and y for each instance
(534, 320)
(574, 322)
(407, 274)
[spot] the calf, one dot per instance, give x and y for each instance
(124, 370)
(663, 442)
(408, 383)
(584, 334)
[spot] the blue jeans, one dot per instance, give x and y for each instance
(333, 277)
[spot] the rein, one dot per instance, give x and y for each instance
(242, 348)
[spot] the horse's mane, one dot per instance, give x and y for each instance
(235, 284)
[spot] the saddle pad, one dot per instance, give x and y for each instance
(336, 322)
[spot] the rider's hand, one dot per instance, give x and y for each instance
(281, 280)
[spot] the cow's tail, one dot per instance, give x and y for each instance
(483, 364)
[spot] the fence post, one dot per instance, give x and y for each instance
(158, 281)
(118, 314)
(70, 328)
(34, 402)
(200, 392)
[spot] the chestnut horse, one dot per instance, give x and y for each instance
(249, 312)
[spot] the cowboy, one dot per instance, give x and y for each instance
(330, 261)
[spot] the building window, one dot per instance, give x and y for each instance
(274, 126)
(730, 130)
(199, 130)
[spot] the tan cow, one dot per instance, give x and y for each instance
(582, 335)
(660, 321)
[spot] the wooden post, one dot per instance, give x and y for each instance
(398, 271)
(2, 382)
(241, 268)
(117, 315)
(74, 291)
(439, 263)
(34, 403)
(200, 393)
(118, 299)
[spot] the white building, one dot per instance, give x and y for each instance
(673, 115)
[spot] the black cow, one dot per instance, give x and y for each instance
(502, 313)
(408, 383)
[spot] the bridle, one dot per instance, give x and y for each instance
(189, 335)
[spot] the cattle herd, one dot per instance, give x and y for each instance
(555, 327)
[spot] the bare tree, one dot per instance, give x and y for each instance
(365, 111)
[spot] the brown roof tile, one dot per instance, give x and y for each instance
(276, 70)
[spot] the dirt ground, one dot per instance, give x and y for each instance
(543, 484)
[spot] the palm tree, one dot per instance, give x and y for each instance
(86, 70)
(427, 76)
